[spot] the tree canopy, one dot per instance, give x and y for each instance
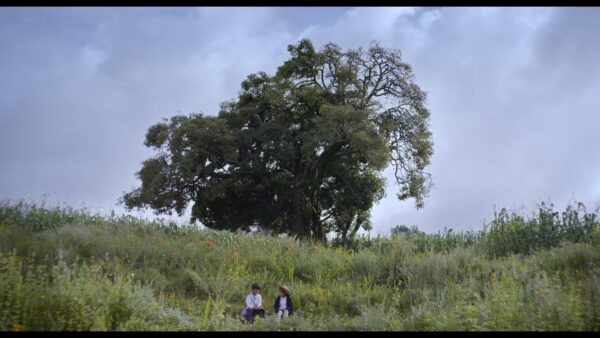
(299, 152)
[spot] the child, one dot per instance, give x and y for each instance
(253, 304)
(283, 303)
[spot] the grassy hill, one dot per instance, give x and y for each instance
(66, 269)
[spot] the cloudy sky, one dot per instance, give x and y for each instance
(514, 95)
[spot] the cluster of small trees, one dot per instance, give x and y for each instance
(405, 230)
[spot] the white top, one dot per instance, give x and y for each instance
(282, 303)
(253, 301)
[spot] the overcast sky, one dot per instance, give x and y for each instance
(514, 95)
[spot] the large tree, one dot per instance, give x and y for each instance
(300, 152)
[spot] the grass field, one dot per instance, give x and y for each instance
(67, 269)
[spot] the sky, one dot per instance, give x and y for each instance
(514, 96)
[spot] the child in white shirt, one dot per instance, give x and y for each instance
(253, 304)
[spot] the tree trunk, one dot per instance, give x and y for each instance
(317, 225)
(345, 231)
(317, 179)
(355, 230)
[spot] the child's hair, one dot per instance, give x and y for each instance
(285, 290)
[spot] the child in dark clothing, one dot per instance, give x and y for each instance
(283, 303)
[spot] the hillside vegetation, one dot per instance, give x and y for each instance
(67, 269)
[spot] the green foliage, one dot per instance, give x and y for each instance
(511, 233)
(120, 273)
(300, 152)
(76, 297)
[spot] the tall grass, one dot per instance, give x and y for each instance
(63, 269)
(511, 233)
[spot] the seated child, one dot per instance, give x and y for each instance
(253, 304)
(283, 303)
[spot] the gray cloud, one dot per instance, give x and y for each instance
(512, 91)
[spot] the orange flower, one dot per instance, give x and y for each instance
(349, 251)
(235, 254)
(290, 249)
(209, 243)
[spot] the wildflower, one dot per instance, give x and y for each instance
(17, 327)
(235, 254)
(290, 249)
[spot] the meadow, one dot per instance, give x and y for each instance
(69, 269)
